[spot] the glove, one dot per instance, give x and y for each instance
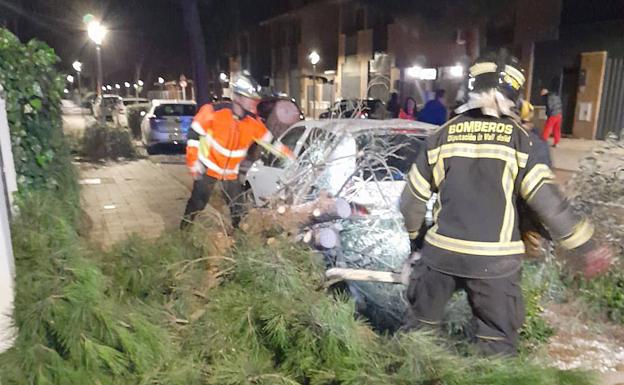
(597, 261)
(532, 243)
(197, 170)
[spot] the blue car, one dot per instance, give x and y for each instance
(167, 122)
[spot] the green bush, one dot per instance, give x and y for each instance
(135, 118)
(33, 90)
(101, 142)
(605, 294)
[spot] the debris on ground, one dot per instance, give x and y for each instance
(580, 343)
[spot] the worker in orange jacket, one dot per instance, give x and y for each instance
(220, 136)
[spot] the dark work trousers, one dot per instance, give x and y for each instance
(496, 303)
(202, 189)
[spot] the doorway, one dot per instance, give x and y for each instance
(569, 88)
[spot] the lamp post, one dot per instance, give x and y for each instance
(77, 66)
(127, 85)
(96, 32)
(314, 59)
(139, 87)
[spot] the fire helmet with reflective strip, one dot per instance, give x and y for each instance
(500, 71)
(246, 86)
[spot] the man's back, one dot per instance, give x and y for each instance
(475, 162)
(553, 105)
(434, 112)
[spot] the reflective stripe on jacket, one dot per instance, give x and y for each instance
(478, 166)
(220, 140)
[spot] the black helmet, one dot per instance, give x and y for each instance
(244, 85)
(500, 71)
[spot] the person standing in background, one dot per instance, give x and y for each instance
(434, 111)
(393, 106)
(408, 111)
(553, 113)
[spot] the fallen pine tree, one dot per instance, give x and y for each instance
(185, 309)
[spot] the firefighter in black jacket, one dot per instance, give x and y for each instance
(479, 164)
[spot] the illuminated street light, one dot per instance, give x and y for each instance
(103, 88)
(314, 58)
(127, 85)
(457, 71)
(136, 86)
(77, 66)
(109, 87)
(117, 86)
(140, 82)
(97, 32)
(161, 80)
(66, 91)
(70, 78)
(223, 77)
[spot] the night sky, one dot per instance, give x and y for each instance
(147, 37)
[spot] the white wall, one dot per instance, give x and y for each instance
(8, 185)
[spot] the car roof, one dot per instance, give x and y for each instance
(355, 126)
(157, 102)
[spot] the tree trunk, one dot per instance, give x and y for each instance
(190, 9)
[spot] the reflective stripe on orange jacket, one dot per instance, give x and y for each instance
(219, 140)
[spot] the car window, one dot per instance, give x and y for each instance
(175, 110)
(399, 153)
(109, 102)
(291, 137)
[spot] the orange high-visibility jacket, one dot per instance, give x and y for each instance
(220, 140)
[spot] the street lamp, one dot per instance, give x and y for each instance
(314, 58)
(140, 83)
(97, 32)
(70, 79)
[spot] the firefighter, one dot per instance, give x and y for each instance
(220, 136)
(479, 163)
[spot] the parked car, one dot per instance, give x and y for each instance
(356, 108)
(167, 122)
(107, 107)
(123, 117)
(129, 101)
(264, 177)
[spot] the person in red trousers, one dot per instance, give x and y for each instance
(553, 113)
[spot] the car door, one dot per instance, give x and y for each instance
(265, 174)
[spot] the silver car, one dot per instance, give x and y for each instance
(266, 176)
(167, 122)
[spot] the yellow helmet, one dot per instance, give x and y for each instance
(526, 111)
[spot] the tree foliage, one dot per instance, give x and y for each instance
(33, 90)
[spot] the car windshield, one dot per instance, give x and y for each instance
(175, 110)
(109, 102)
(130, 102)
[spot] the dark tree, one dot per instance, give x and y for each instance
(190, 10)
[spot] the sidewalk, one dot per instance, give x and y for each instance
(569, 153)
(134, 197)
